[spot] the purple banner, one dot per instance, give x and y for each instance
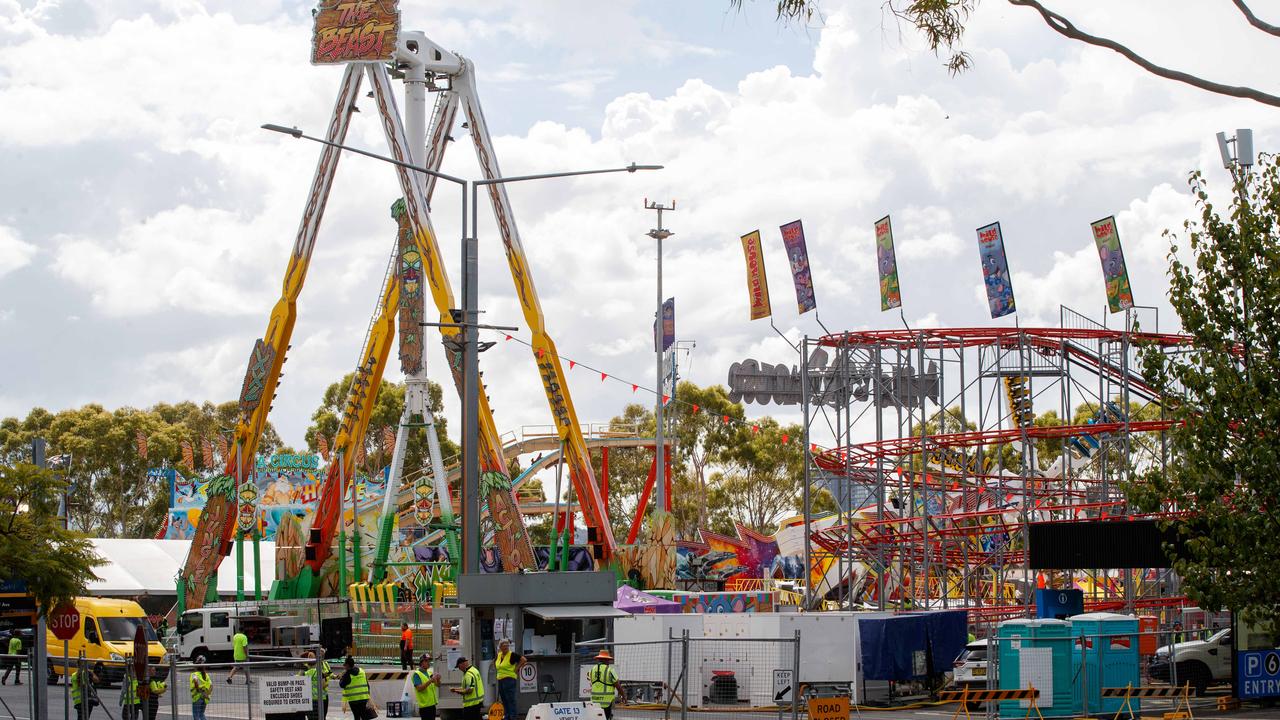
(668, 324)
(798, 256)
(995, 271)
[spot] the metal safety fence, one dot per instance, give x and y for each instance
(704, 677)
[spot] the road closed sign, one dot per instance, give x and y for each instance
(829, 708)
(289, 694)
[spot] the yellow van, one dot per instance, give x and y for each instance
(107, 629)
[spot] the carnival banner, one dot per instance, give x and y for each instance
(668, 323)
(887, 263)
(757, 282)
(355, 31)
(1114, 272)
(798, 256)
(995, 270)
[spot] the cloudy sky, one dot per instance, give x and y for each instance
(146, 220)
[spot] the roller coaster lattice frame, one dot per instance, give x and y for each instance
(935, 519)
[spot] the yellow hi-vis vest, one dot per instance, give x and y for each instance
(77, 687)
(426, 698)
(319, 687)
(604, 683)
(129, 694)
(506, 668)
(357, 687)
(201, 687)
(472, 687)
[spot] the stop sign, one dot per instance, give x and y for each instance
(64, 622)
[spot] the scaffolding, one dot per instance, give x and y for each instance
(934, 511)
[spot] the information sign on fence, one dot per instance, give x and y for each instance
(528, 677)
(284, 694)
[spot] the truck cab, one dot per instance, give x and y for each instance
(1198, 662)
(204, 635)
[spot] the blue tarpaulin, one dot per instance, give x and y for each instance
(891, 646)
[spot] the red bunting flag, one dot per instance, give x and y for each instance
(786, 438)
(726, 419)
(603, 376)
(571, 364)
(508, 337)
(634, 387)
(695, 409)
(666, 399)
(755, 428)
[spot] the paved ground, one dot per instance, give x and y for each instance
(230, 702)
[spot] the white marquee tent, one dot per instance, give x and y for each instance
(137, 566)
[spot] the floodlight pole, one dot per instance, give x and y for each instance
(659, 448)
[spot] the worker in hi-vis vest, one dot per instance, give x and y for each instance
(508, 666)
(472, 690)
(201, 692)
(355, 689)
(604, 682)
(426, 684)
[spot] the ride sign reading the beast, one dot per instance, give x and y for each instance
(355, 31)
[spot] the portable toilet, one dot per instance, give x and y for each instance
(1037, 653)
(1107, 645)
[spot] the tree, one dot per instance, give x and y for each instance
(56, 564)
(942, 24)
(1225, 287)
(701, 432)
(387, 408)
(763, 466)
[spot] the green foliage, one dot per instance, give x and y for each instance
(112, 496)
(1225, 287)
(57, 564)
(388, 406)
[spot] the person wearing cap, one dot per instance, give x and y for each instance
(201, 692)
(472, 690)
(508, 666)
(604, 682)
(355, 689)
(425, 683)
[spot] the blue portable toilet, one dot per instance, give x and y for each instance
(1039, 653)
(1107, 648)
(1059, 604)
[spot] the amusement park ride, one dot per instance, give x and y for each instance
(416, 259)
(933, 513)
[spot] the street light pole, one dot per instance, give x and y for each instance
(469, 322)
(659, 448)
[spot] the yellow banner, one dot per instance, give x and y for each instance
(757, 282)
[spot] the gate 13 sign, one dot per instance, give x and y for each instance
(355, 31)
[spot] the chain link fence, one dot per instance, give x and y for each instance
(706, 677)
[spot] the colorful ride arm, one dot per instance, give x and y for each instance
(216, 525)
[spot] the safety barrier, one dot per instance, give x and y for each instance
(976, 695)
(1182, 693)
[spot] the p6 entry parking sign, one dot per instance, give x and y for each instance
(1259, 673)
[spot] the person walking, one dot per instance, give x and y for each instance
(604, 683)
(472, 690)
(508, 666)
(319, 685)
(130, 700)
(82, 694)
(406, 647)
(240, 654)
(355, 689)
(201, 692)
(155, 689)
(14, 663)
(426, 685)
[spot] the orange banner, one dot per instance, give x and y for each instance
(757, 282)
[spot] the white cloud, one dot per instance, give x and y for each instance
(14, 253)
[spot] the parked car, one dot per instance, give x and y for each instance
(1199, 662)
(971, 667)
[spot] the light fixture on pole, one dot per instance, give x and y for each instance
(660, 478)
(468, 320)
